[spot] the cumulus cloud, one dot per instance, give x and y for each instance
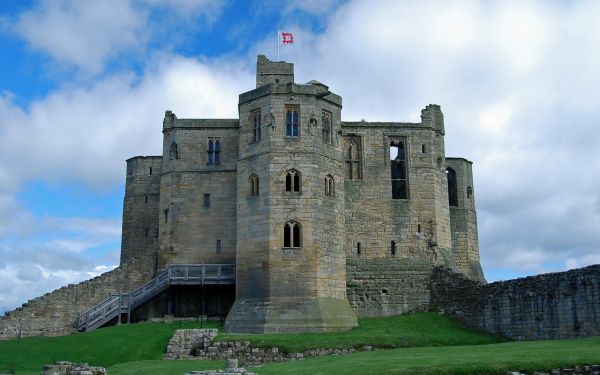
(87, 34)
(517, 82)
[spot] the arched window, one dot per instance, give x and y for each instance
(329, 185)
(452, 192)
(255, 120)
(292, 180)
(173, 153)
(292, 120)
(292, 234)
(398, 171)
(217, 151)
(326, 125)
(353, 157)
(211, 150)
(254, 189)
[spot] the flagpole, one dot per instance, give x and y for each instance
(277, 45)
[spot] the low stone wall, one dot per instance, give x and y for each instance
(549, 306)
(199, 344)
(68, 368)
(386, 287)
(575, 370)
(54, 313)
(231, 368)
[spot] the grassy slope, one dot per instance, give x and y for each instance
(423, 329)
(103, 347)
(485, 359)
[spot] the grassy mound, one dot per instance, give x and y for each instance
(412, 330)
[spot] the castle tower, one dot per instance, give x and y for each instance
(463, 217)
(291, 270)
(140, 208)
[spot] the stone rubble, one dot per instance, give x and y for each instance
(68, 368)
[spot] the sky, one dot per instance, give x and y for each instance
(84, 86)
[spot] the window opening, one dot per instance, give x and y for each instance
(173, 153)
(398, 170)
(329, 185)
(393, 247)
(292, 181)
(326, 124)
(418, 228)
(469, 191)
(291, 235)
(255, 118)
(292, 118)
(353, 157)
(210, 151)
(358, 248)
(150, 170)
(452, 191)
(146, 231)
(206, 200)
(254, 190)
(423, 149)
(146, 199)
(217, 151)
(218, 246)
(166, 213)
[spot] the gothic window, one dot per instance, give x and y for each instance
(254, 189)
(173, 153)
(292, 121)
(398, 170)
(292, 234)
(214, 151)
(353, 168)
(292, 180)
(452, 191)
(329, 185)
(326, 124)
(255, 120)
(217, 151)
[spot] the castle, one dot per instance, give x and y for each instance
(323, 220)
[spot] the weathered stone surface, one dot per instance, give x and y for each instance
(68, 368)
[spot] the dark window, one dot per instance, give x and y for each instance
(146, 231)
(166, 212)
(329, 185)
(393, 247)
(452, 191)
(218, 246)
(326, 124)
(423, 149)
(469, 191)
(150, 170)
(255, 120)
(173, 153)
(418, 228)
(291, 234)
(217, 151)
(146, 199)
(292, 121)
(358, 248)
(206, 200)
(398, 171)
(254, 189)
(353, 169)
(292, 181)
(211, 151)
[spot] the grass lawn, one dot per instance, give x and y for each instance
(160, 367)
(103, 347)
(412, 330)
(481, 359)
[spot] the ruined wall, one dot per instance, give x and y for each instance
(54, 313)
(140, 208)
(548, 306)
(384, 287)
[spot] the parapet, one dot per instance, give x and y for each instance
(432, 116)
(268, 71)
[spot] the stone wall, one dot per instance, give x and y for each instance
(384, 287)
(548, 306)
(68, 368)
(54, 313)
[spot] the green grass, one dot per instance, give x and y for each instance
(412, 330)
(159, 367)
(483, 359)
(104, 347)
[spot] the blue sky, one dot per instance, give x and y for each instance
(84, 86)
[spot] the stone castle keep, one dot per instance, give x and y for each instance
(286, 219)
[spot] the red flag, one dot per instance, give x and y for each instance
(286, 38)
